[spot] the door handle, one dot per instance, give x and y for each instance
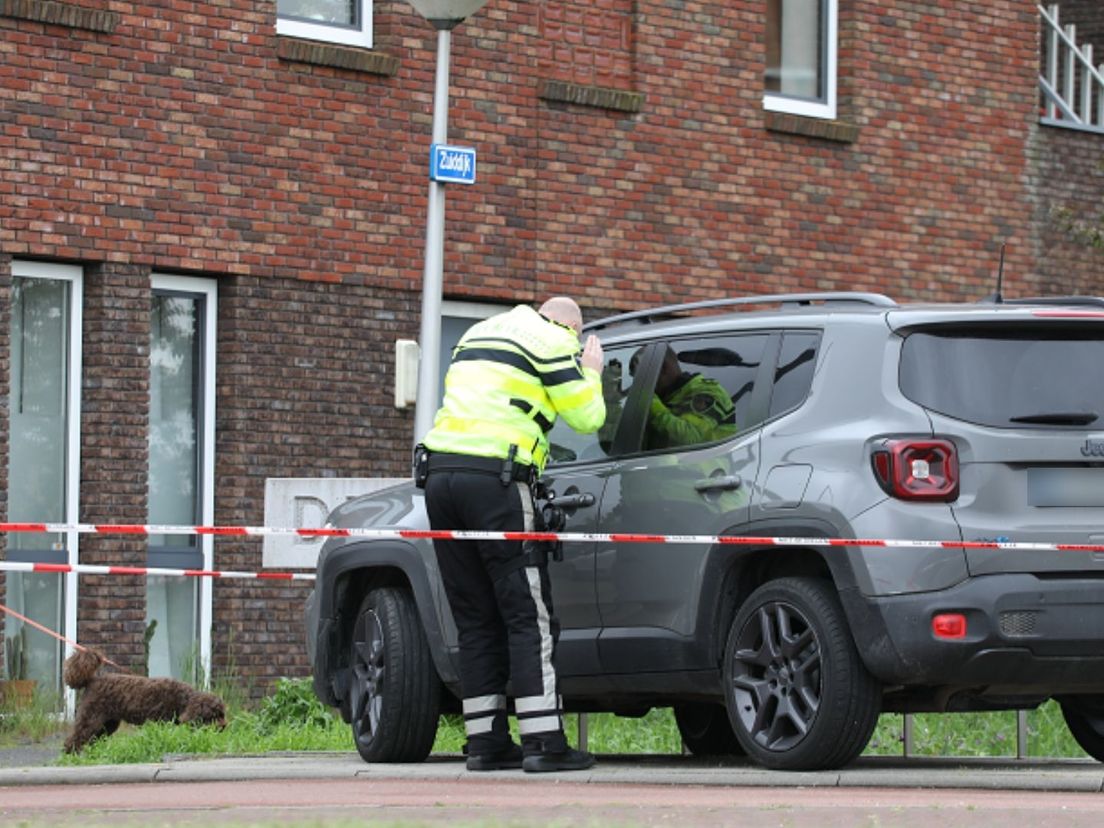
(573, 501)
(722, 482)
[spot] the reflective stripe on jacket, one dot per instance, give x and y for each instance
(510, 377)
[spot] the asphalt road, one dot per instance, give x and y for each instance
(323, 789)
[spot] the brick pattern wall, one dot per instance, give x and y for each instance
(183, 141)
(694, 198)
(115, 454)
(305, 389)
(588, 43)
(1067, 203)
(1088, 16)
(174, 138)
(1067, 181)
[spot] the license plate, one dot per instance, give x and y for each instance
(1065, 487)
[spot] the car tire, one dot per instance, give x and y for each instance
(706, 731)
(1085, 720)
(797, 693)
(394, 691)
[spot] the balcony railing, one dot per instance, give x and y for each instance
(1071, 88)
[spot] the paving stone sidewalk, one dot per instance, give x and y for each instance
(30, 754)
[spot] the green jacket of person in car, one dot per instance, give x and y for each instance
(687, 409)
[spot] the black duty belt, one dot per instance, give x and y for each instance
(441, 461)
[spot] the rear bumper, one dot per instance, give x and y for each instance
(1025, 635)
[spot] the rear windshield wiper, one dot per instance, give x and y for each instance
(1057, 418)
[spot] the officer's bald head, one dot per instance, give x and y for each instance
(565, 311)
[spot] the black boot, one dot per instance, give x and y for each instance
(506, 759)
(566, 760)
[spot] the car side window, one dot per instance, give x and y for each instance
(793, 376)
(567, 445)
(704, 390)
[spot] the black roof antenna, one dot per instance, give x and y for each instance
(996, 298)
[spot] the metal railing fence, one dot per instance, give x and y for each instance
(1071, 87)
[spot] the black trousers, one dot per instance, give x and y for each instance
(502, 608)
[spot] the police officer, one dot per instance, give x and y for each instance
(687, 408)
(510, 377)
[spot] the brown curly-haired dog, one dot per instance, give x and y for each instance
(112, 698)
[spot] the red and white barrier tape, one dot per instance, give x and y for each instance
(94, 569)
(565, 537)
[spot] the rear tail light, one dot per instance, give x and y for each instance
(917, 469)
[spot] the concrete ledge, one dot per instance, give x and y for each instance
(596, 96)
(340, 57)
(60, 14)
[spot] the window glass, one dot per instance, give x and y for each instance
(38, 404)
(566, 445)
(801, 56)
(703, 392)
(175, 479)
(1013, 379)
(794, 374)
(174, 442)
(339, 21)
(329, 12)
(38, 472)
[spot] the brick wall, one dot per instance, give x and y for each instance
(114, 453)
(1088, 16)
(1067, 183)
(1068, 207)
(183, 141)
(305, 389)
(624, 157)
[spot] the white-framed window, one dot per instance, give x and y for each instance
(801, 46)
(43, 462)
(183, 311)
(348, 22)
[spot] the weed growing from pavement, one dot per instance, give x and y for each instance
(292, 719)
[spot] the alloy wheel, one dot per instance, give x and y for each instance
(368, 676)
(776, 676)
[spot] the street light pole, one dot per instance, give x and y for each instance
(429, 363)
(444, 15)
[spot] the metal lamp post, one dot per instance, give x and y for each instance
(444, 16)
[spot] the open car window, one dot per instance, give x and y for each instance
(703, 391)
(567, 445)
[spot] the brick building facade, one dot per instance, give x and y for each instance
(626, 157)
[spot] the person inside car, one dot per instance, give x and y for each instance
(687, 408)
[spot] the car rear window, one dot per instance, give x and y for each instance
(1043, 378)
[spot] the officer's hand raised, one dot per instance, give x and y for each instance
(592, 353)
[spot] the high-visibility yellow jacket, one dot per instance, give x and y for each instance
(511, 375)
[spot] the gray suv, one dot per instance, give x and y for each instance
(848, 416)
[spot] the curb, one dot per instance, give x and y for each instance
(870, 772)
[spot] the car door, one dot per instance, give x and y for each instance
(648, 593)
(574, 481)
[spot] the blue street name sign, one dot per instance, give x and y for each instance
(455, 165)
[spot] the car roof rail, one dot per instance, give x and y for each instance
(781, 299)
(1082, 301)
